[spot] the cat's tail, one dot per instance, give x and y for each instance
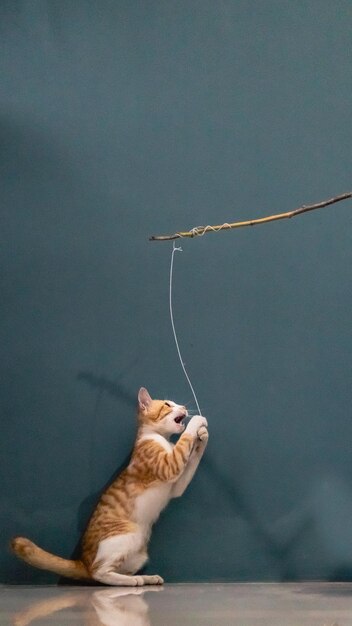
(32, 554)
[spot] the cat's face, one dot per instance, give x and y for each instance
(162, 416)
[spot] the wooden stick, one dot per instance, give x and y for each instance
(201, 230)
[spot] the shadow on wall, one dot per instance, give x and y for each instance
(100, 385)
(277, 549)
(105, 385)
(45, 197)
(20, 520)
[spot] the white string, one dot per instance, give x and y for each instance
(174, 249)
(199, 231)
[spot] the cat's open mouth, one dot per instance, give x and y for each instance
(179, 418)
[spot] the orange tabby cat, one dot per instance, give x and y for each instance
(114, 546)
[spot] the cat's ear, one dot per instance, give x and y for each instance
(144, 399)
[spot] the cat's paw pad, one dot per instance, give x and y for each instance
(137, 581)
(153, 580)
(203, 434)
(195, 424)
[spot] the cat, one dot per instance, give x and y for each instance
(114, 545)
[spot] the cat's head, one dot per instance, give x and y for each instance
(161, 416)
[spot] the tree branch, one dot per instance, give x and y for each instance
(201, 230)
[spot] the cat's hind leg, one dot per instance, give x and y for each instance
(135, 562)
(112, 555)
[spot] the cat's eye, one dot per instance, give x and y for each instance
(168, 404)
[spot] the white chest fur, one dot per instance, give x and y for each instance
(158, 439)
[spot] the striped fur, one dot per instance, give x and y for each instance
(114, 546)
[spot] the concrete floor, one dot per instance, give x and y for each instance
(308, 604)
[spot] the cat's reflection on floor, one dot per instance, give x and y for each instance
(103, 607)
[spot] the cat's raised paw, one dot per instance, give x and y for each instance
(203, 434)
(195, 424)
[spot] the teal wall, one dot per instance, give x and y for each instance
(124, 119)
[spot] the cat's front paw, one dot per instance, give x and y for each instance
(203, 434)
(197, 422)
